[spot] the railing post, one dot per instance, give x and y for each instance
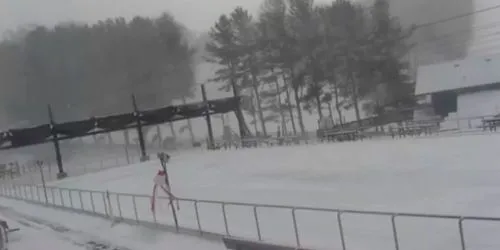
(70, 198)
(104, 203)
(81, 200)
(225, 219)
(395, 232)
(462, 238)
(198, 217)
(295, 228)
(92, 201)
(257, 222)
(119, 205)
(341, 229)
(61, 196)
(135, 209)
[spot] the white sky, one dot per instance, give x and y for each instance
(196, 14)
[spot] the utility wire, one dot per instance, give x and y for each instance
(458, 17)
(458, 33)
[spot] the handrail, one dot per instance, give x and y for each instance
(106, 206)
(261, 205)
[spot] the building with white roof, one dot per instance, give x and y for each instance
(462, 88)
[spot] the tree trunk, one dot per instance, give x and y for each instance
(355, 98)
(299, 110)
(337, 103)
(282, 114)
(330, 110)
(254, 116)
(290, 108)
(318, 102)
(259, 104)
(244, 131)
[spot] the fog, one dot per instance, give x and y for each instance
(435, 43)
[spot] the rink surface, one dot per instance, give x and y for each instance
(442, 175)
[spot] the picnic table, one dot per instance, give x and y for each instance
(491, 123)
(342, 135)
(415, 128)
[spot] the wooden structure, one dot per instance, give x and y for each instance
(55, 132)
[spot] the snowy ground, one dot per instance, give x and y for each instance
(439, 175)
(45, 228)
(443, 175)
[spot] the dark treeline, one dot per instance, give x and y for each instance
(89, 70)
(296, 56)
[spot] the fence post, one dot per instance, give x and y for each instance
(110, 205)
(198, 217)
(225, 219)
(394, 232)
(462, 238)
(61, 196)
(295, 228)
(104, 203)
(70, 198)
(119, 206)
(81, 200)
(257, 222)
(135, 209)
(341, 229)
(92, 201)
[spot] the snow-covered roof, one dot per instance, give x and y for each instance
(470, 72)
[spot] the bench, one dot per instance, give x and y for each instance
(414, 128)
(232, 243)
(491, 124)
(342, 135)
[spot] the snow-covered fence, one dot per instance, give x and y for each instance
(297, 225)
(29, 173)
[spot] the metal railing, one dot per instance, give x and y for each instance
(449, 127)
(261, 222)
